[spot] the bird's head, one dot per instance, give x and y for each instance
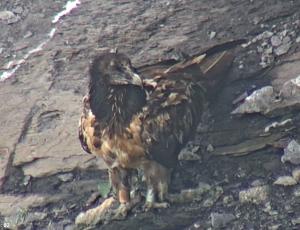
(113, 69)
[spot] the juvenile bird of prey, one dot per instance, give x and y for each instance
(140, 119)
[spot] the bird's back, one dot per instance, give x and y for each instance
(179, 93)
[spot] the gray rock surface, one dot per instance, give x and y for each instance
(220, 220)
(292, 153)
(270, 102)
(12, 204)
(285, 181)
(23, 218)
(40, 105)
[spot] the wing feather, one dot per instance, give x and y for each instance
(177, 99)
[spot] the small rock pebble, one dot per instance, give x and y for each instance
(228, 200)
(210, 148)
(296, 174)
(274, 227)
(268, 209)
(28, 34)
(297, 191)
(275, 41)
(256, 195)
(258, 182)
(26, 180)
(212, 34)
(220, 220)
(8, 17)
(285, 181)
(284, 47)
(66, 177)
(292, 153)
(18, 10)
(296, 221)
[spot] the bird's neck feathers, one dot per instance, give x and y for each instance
(115, 105)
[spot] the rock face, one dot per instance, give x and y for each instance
(11, 204)
(47, 142)
(259, 101)
(51, 138)
(40, 106)
(34, 119)
(269, 102)
(292, 153)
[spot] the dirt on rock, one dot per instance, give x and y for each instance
(46, 179)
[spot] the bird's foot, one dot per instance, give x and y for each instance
(155, 199)
(155, 205)
(121, 212)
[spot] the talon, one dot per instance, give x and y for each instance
(120, 213)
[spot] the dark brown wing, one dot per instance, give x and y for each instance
(206, 66)
(170, 117)
(152, 70)
(178, 97)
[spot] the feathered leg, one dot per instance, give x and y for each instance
(121, 180)
(157, 180)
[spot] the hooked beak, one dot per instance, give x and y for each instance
(127, 77)
(136, 80)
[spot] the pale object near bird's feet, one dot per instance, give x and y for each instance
(95, 215)
(105, 213)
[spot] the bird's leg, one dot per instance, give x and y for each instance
(102, 212)
(157, 180)
(123, 183)
(117, 206)
(135, 184)
(119, 181)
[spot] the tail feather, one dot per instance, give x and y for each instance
(207, 59)
(208, 67)
(223, 46)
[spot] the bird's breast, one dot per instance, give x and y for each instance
(122, 152)
(125, 149)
